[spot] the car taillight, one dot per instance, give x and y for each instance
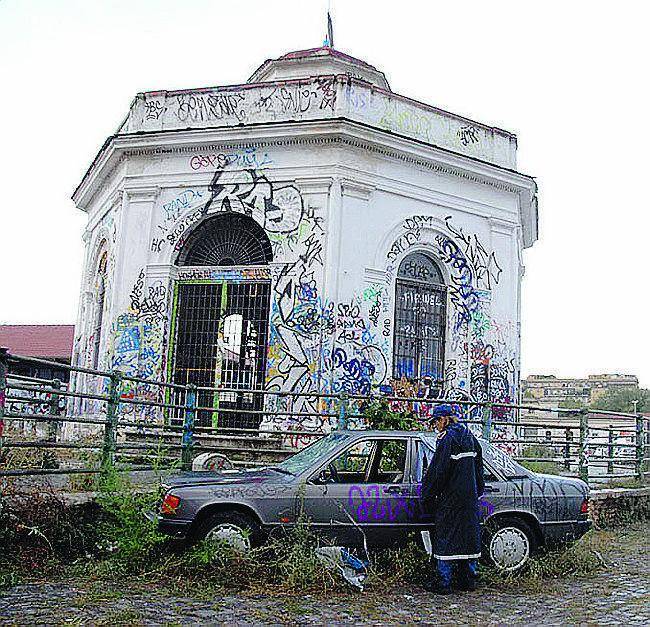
(584, 508)
(170, 504)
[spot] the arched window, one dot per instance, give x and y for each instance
(227, 239)
(100, 286)
(420, 318)
(221, 325)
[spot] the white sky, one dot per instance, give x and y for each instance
(569, 78)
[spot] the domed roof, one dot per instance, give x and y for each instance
(317, 62)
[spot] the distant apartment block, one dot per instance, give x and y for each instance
(550, 390)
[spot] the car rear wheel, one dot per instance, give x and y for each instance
(235, 529)
(509, 543)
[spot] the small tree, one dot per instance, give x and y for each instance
(571, 403)
(623, 400)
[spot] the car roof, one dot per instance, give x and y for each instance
(384, 432)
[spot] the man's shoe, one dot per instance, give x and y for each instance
(441, 589)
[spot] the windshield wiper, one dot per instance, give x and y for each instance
(281, 470)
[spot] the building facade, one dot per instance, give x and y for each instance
(308, 231)
(551, 390)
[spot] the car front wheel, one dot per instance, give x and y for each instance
(235, 529)
(509, 543)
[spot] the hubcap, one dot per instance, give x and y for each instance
(509, 548)
(232, 535)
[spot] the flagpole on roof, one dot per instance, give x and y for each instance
(329, 37)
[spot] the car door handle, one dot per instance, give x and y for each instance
(395, 489)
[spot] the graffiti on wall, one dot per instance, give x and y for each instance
(238, 106)
(138, 344)
(278, 210)
(482, 361)
(248, 158)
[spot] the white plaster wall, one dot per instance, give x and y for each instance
(361, 212)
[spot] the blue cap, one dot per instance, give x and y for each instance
(443, 410)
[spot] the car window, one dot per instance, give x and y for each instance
(310, 455)
(353, 464)
(391, 462)
(368, 461)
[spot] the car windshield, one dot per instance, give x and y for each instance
(301, 461)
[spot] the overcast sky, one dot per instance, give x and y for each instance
(569, 78)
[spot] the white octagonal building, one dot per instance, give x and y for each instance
(309, 231)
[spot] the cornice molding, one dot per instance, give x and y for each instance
(340, 132)
(142, 194)
(426, 163)
(355, 189)
(193, 139)
(374, 275)
(314, 184)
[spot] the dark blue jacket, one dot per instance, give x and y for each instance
(451, 488)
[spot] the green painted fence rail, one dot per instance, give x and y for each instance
(576, 444)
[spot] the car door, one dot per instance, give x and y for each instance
(363, 490)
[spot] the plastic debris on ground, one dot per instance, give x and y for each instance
(352, 569)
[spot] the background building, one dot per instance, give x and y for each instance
(52, 342)
(307, 231)
(549, 390)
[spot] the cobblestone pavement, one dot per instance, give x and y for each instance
(617, 594)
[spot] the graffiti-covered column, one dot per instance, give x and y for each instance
(503, 335)
(355, 357)
(299, 314)
(137, 334)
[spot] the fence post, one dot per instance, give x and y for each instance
(583, 466)
(53, 423)
(610, 450)
(640, 448)
(486, 420)
(568, 439)
(4, 367)
(343, 408)
(110, 429)
(187, 441)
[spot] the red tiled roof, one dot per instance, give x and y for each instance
(38, 340)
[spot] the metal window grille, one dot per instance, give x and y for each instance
(221, 336)
(420, 320)
(221, 327)
(227, 239)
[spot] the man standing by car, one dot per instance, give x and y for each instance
(451, 488)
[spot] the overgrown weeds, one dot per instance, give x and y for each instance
(39, 530)
(115, 542)
(126, 535)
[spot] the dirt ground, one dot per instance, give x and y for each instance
(619, 593)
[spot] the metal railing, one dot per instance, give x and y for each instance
(110, 427)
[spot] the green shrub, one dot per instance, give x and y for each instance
(132, 540)
(379, 415)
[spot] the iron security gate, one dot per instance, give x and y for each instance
(220, 339)
(420, 318)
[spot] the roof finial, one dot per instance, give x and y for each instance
(329, 38)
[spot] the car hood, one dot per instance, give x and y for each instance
(564, 482)
(225, 477)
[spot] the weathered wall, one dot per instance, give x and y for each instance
(617, 507)
(322, 97)
(340, 220)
